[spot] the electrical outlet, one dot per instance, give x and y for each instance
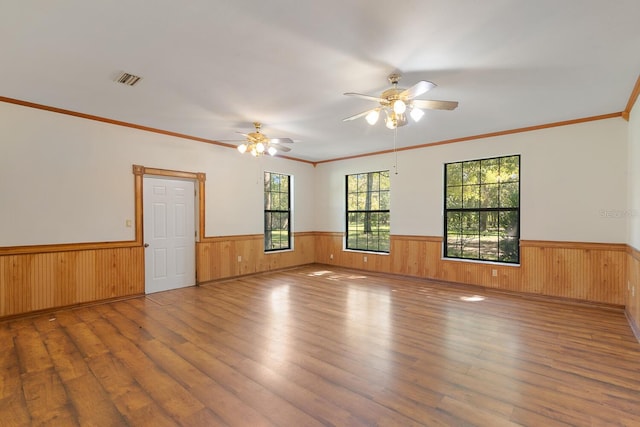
(128, 223)
(331, 256)
(365, 259)
(239, 258)
(494, 272)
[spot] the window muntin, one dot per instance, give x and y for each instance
(482, 209)
(368, 214)
(277, 211)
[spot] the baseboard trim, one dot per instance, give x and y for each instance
(633, 324)
(53, 310)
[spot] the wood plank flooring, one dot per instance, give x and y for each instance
(316, 346)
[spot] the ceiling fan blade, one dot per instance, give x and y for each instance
(417, 89)
(357, 116)
(435, 105)
(369, 97)
(283, 149)
(281, 141)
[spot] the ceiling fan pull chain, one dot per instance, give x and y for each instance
(395, 151)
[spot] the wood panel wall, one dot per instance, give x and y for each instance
(585, 271)
(218, 257)
(39, 281)
(53, 278)
(632, 305)
(593, 272)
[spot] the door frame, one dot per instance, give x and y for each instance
(199, 179)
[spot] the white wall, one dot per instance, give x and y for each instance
(65, 179)
(633, 211)
(574, 183)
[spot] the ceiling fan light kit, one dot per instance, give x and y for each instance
(395, 102)
(257, 143)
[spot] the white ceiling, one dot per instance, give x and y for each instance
(210, 68)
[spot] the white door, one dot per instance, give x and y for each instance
(169, 234)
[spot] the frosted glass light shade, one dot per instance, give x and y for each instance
(390, 123)
(399, 106)
(372, 117)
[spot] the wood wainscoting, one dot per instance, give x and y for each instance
(33, 282)
(34, 279)
(593, 272)
(232, 256)
(632, 287)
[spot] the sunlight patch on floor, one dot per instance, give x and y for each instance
(334, 276)
(474, 298)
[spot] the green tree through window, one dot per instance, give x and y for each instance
(277, 211)
(368, 211)
(482, 209)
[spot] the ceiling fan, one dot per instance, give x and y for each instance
(397, 102)
(258, 143)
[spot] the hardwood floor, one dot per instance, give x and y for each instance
(313, 346)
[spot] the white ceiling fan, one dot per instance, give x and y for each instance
(396, 103)
(258, 143)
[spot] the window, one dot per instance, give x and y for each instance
(482, 209)
(368, 211)
(277, 211)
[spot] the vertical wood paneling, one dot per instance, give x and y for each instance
(590, 272)
(585, 271)
(632, 289)
(32, 282)
(327, 244)
(15, 298)
(303, 253)
(250, 250)
(217, 258)
(214, 260)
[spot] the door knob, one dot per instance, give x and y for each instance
(146, 245)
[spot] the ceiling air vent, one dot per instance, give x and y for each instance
(128, 79)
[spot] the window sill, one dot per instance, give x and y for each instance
(362, 251)
(278, 251)
(477, 261)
